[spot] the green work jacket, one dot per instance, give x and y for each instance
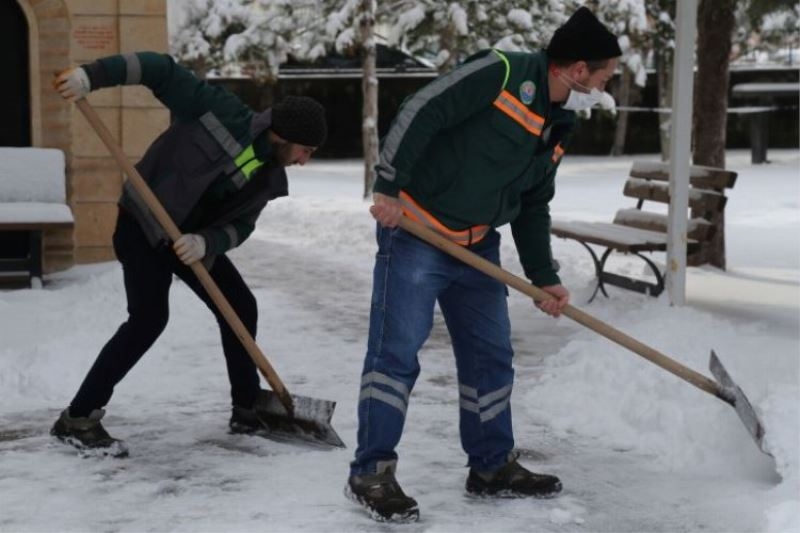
(481, 145)
(211, 169)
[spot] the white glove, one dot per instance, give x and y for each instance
(607, 102)
(73, 84)
(190, 247)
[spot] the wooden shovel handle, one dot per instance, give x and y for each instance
(654, 356)
(197, 267)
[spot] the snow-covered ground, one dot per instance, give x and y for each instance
(636, 448)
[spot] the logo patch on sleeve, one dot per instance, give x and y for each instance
(527, 91)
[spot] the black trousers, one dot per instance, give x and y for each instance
(148, 275)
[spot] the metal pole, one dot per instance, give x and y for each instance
(680, 149)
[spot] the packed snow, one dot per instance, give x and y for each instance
(636, 448)
(32, 175)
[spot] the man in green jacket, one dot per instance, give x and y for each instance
(475, 149)
(214, 169)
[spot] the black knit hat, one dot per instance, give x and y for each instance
(300, 120)
(583, 37)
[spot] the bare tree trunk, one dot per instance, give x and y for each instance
(198, 67)
(664, 67)
(266, 95)
(369, 90)
(661, 12)
(448, 40)
(624, 97)
(715, 23)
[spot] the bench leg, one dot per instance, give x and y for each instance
(35, 259)
(658, 287)
(759, 138)
(598, 270)
(625, 282)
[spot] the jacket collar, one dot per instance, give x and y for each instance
(260, 122)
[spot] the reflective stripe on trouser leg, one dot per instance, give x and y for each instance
(408, 275)
(476, 312)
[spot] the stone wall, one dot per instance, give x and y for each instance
(99, 28)
(48, 36)
(64, 33)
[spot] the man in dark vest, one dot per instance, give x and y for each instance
(214, 169)
(475, 149)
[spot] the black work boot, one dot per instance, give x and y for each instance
(87, 434)
(512, 480)
(250, 420)
(244, 420)
(381, 495)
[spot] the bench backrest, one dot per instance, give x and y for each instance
(650, 181)
(32, 175)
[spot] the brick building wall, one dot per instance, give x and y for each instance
(63, 33)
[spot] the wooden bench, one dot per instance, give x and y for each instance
(636, 231)
(32, 201)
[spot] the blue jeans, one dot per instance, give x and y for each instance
(410, 276)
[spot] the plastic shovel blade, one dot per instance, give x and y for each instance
(734, 396)
(310, 423)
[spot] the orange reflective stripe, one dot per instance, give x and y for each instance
(519, 112)
(557, 153)
(417, 213)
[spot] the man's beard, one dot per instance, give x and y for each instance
(283, 153)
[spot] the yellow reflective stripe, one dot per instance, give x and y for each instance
(251, 167)
(502, 56)
(248, 162)
(520, 113)
(247, 154)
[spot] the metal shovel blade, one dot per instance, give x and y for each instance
(310, 422)
(734, 396)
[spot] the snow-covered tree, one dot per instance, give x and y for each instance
(628, 20)
(661, 14)
(202, 30)
(351, 26)
(275, 31)
(261, 46)
(251, 36)
(780, 31)
(768, 29)
(263, 34)
(447, 32)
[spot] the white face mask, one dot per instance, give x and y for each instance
(577, 100)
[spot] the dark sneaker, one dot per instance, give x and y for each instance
(381, 495)
(87, 434)
(512, 481)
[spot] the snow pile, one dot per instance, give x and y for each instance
(32, 175)
(631, 442)
(630, 403)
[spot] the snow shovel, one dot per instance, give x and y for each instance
(724, 388)
(290, 417)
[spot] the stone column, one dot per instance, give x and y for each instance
(48, 48)
(99, 28)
